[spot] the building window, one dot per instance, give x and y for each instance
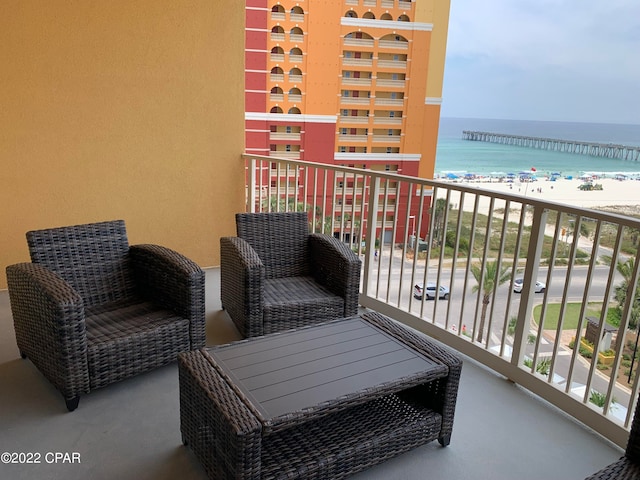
(288, 129)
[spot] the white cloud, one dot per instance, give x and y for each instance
(551, 58)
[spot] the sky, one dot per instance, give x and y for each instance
(551, 60)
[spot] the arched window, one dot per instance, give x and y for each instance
(277, 49)
(277, 9)
(295, 71)
(277, 71)
(277, 29)
(403, 18)
(296, 31)
(276, 90)
(295, 51)
(369, 15)
(294, 111)
(295, 91)
(386, 16)
(275, 110)
(351, 14)
(297, 10)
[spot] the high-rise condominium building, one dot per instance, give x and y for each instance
(348, 82)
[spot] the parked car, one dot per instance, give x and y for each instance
(518, 283)
(430, 291)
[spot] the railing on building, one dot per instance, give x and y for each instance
(296, 58)
(402, 45)
(413, 231)
(357, 62)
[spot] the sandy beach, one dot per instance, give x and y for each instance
(622, 194)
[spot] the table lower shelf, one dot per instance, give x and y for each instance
(347, 442)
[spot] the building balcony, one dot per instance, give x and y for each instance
(387, 82)
(278, 16)
(277, 37)
(276, 97)
(276, 57)
(392, 64)
(295, 78)
(387, 121)
(392, 45)
(353, 120)
(276, 77)
(382, 101)
(357, 62)
(356, 81)
(359, 42)
(348, 139)
(296, 17)
(369, 3)
(296, 38)
(387, 138)
(295, 97)
(296, 58)
(284, 136)
(355, 100)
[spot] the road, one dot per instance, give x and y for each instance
(463, 306)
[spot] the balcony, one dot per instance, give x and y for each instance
(112, 424)
(357, 62)
(385, 101)
(393, 64)
(355, 100)
(387, 120)
(293, 136)
(387, 138)
(359, 42)
(345, 120)
(356, 81)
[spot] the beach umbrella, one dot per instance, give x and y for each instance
(452, 176)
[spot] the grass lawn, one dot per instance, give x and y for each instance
(571, 315)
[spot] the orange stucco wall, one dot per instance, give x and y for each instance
(120, 109)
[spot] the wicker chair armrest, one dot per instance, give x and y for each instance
(173, 281)
(336, 267)
(440, 395)
(49, 320)
(242, 275)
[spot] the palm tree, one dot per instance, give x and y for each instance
(626, 270)
(438, 213)
(490, 281)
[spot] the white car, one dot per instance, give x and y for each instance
(430, 291)
(518, 283)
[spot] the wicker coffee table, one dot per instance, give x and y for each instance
(324, 401)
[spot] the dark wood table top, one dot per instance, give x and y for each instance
(308, 368)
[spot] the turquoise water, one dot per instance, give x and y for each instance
(462, 156)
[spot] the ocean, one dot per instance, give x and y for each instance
(458, 156)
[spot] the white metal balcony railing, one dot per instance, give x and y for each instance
(277, 57)
(295, 58)
(296, 17)
(277, 16)
(296, 37)
(276, 77)
(277, 37)
(276, 97)
(527, 337)
(295, 78)
(295, 97)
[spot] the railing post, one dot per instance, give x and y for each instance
(372, 226)
(534, 253)
(251, 194)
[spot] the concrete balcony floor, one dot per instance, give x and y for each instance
(131, 430)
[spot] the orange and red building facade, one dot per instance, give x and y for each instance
(346, 82)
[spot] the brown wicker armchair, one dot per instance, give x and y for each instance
(91, 310)
(275, 275)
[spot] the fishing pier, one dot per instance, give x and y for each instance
(607, 150)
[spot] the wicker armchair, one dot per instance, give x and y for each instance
(275, 275)
(628, 467)
(90, 310)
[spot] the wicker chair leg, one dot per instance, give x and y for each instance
(444, 441)
(72, 403)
